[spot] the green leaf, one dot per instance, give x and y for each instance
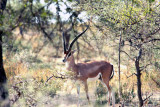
(55, 0)
(44, 14)
(46, 1)
(151, 1)
(70, 0)
(25, 5)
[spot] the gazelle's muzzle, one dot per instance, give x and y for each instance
(66, 57)
(64, 60)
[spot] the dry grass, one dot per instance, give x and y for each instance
(66, 92)
(30, 77)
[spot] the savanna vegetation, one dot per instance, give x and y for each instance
(125, 33)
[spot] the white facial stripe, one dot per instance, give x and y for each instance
(68, 55)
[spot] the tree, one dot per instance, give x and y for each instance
(138, 24)
(10, 18)
(3, 78)
(31, 14)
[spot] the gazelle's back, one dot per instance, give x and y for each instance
(91, 69)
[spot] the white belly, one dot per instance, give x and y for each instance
(95, 78)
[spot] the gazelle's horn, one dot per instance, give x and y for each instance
(70, 46)
(64, 44)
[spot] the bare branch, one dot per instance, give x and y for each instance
(18, 20)
(152, 40)
(144, 67)
(157, 83)
(60, 77)
(131, 75)
(48, 35)
(154, 32)
(147, 97)
(128, 55)
(17, 96)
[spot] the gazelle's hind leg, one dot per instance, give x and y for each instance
(105, 81)
(110, 92)
(106, 84)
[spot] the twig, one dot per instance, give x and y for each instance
(144, 67)
(156, 81)
(17, 96)
(18, 83)
(128, 55)
(60, 77)
(30, 100)
(48, 79)
(131, 75)
(60, 74)
(147, 97)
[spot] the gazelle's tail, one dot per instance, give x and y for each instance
(112, 72)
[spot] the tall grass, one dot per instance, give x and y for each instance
(28, 71)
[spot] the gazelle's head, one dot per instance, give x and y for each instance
(69, 57)
(67, 51)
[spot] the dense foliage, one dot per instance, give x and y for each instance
(123, 32)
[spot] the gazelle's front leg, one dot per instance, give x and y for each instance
(86, 90)
(78, 92)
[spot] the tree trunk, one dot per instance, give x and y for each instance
(119, 66)
(139, 79)
(3, 77)
(4, 102)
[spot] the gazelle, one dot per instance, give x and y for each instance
(83, 71)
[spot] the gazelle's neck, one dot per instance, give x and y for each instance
(70, 64)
